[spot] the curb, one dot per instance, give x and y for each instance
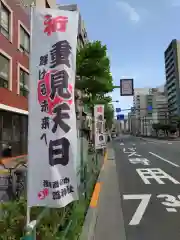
(156, 139)
(91, 216)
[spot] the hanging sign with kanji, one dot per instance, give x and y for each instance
(52, 148)
(99, 126)
(126, 87)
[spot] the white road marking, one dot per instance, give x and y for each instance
(165, 160)
(121, 144)
(169, 200)
(143, 161)
(171, 209)
(145, 198)
(133, 149)
(156, 174)
(134, 154)
(159, 142)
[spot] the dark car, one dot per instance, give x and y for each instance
(113, 135)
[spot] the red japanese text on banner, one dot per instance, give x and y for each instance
(52, 146)
(99, 126)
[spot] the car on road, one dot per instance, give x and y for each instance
(113, 135)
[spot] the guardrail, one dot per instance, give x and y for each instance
(72, 216)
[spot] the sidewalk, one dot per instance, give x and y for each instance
(107, 220)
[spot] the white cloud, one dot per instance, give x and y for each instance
(133, 15)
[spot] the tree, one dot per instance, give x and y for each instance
(178, 124)
(109, 115)
(156, 127)
(165, 128)
(172, 129)
(93, 70)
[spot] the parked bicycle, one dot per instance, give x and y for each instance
(13, 184)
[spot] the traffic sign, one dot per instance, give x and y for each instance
(118, 109)
(149, 108)
(126, 87)
(120, 117)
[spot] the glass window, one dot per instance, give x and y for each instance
(47, 4)
(24, 83)
(4, 20)
(16, 128)
(4, 71)
(24, 40)
(7, 126)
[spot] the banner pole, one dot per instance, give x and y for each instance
(28, 212)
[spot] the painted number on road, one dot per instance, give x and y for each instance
(170, 201)
(138, 215)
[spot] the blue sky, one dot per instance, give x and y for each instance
(136, 34)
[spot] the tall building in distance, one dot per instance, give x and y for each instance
(82, 38)
(160, 107)
(172, 71)
(150, 106)
(141, 100)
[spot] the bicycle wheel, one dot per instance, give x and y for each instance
(21, 164)
(20, 190)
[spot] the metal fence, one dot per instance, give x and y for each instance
(67, 222)
(72, 217)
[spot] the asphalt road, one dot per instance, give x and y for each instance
(149, 180)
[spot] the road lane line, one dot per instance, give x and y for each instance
(163, 159)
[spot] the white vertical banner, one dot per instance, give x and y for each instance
(99, 126)
(52, 141)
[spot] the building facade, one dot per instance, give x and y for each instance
(14, 75)
(160, 108)
(151, 107)
(172, 71)
(140, 101)
(38, 3)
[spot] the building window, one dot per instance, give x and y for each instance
(5, 20)
(24, 40)
(47, 4)
(24, 80)
(4, 71)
